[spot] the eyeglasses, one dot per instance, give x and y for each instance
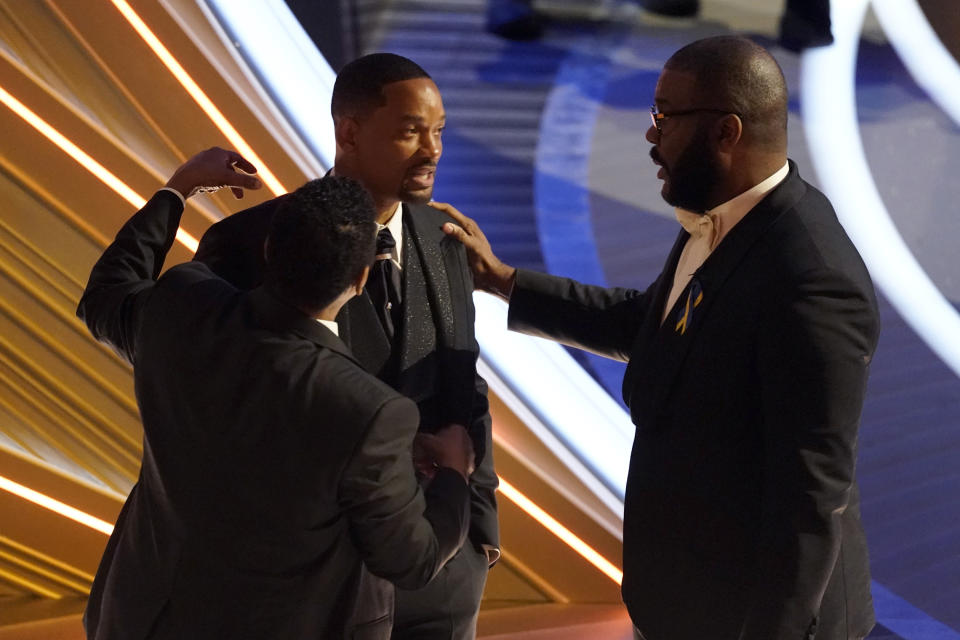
(657, 117)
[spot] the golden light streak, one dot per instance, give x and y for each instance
(557, 529)
(56, 506)
(87, 162)
(45, 559)
(71, 149)
(508, 490)
(239, 144)
(45, 573)
(30, 586)
(187, 240)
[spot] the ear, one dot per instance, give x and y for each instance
(361, 281)
(345, 131)
(729, 132)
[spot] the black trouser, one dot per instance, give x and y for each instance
(446, 609)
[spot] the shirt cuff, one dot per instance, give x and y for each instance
(176, 193)
(493, 553)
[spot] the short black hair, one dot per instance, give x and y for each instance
(321, 237)
(735, 73)
(359, 85)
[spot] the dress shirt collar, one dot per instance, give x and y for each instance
(394, 223)
(332, 325)
(723, 217)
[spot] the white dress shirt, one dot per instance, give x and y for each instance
(709, 229)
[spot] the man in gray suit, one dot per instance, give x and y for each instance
(274, 469)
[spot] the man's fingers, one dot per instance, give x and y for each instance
(234, 179)
(451, 211)
(453, 230)
(241, 164)
(214, 169)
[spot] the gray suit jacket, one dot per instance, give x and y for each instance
(274, 467)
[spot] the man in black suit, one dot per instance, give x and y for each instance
(748, 361)
(276, 472)
(413, 324)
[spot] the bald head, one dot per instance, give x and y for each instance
(733, 73)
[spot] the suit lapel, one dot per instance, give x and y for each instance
(439, 367)
(417, 341)
(671, 344)
(435, 251)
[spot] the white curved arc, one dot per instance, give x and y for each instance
(922, 52)
(827, 80)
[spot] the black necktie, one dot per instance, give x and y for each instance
(384, 284)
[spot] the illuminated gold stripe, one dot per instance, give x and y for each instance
(531, 576)
(17, 437)
(133, 458)
(77, 407)
(68, 453)
(42, 557)
(56, 506)
(82, 589)
(85, 160)
(30, 185)
(37, 274)
(29, 586)
(218, 119)
(557, 529)
(91, 54)
(54, 345)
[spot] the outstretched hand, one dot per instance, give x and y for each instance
(214, 169)
(489, 274)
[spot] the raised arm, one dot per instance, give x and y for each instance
(123, 277)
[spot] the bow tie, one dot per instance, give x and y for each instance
(700, 226)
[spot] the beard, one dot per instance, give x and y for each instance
(418, 196)
(415, 193)
(690, 180)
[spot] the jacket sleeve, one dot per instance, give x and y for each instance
(124, 276)
(404, 535)
(814, 353)
(602, 321)
(484, 526)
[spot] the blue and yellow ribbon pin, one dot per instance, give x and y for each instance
(694, 298)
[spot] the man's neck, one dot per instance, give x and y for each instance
(748, 177)
(385, 210)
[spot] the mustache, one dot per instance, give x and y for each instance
(655, 156)
(430, 164)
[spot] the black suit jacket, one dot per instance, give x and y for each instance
(741, 512)
(435, 358)
(274, 467)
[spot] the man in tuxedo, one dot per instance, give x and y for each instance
(276, 472)
(413, 324)
(748, 361)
